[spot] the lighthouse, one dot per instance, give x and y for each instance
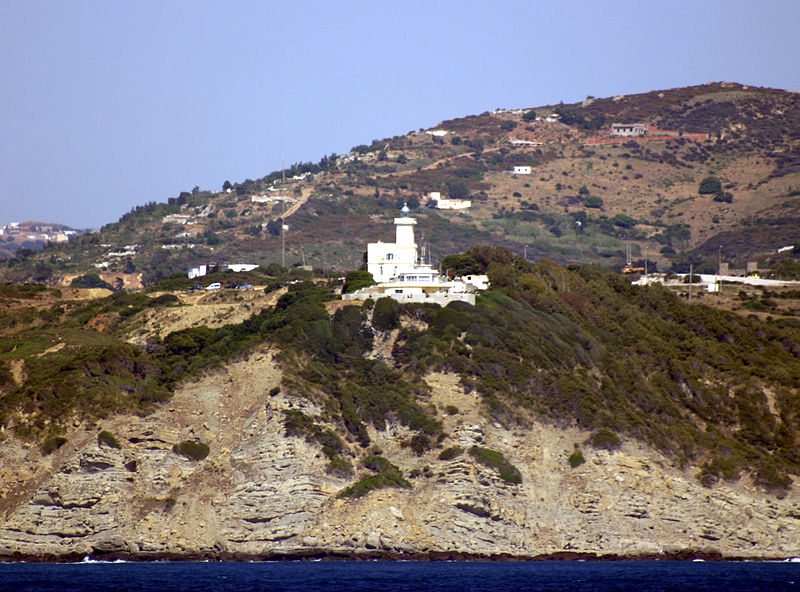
(386, 261)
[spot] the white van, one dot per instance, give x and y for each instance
(214, 286)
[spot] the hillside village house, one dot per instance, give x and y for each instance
(628, 129)
(521, 170)
(201, 270)
(401, 275)
(449, 204)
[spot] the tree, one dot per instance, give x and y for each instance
(726, 197)
(412, 202)
(90, 280)
(355, 280)
(211, 237)
(710, 185)
(226, 185)
(529, 116)
(456, 189)
(463, 264)
(594, 202)
(274, 227)
(385, 314)
(623, 221)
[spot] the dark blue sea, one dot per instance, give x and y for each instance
(353, 576)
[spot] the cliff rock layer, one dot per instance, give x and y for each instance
(262, 492)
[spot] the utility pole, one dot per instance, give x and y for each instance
(691, 279)
(645, 265)
(283, 218)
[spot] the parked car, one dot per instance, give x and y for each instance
(213, 286)
(196, 287)
(246, 286)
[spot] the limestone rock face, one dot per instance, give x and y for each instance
(260, 491)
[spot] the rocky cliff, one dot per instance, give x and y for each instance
(261, 492)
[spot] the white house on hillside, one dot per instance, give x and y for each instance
(633, 130)
(449, 204)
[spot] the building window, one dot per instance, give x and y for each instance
(398, 291)
(389, 256)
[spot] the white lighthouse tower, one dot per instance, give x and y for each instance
(386, 261)
(399, 274)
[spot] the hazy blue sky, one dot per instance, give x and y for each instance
(109, 104)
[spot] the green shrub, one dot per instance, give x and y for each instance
(339, 467)
(6, 377)
(108, 438)
(385, 315)
(451, 453)
(594, 202)
(495, 460)
(710, 185)
(451, 410)
(371, 482)
(605, 439)
(380, 464)
(194, 450)
(90, 280)
(164, 300)
(355, 280)
(773, 479)
(418, 443)
(721, 465)
(386, 475)
(52, 444)
(576, 459)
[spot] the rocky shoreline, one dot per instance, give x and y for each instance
(371, 555)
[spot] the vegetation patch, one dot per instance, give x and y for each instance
(192, 449)
(451, 453)
(355, 280)
(605, 439)
(495, 460)
(108, 439)
(576, 458)
(385, 474)
(52, 444)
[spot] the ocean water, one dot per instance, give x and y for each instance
(386, 576)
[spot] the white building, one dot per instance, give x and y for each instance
(453, 204)
(201, 270)
(526, 143)
(634, 130)
(400, 275)
(521, 170)
(386, 260)
(198, 271)
(237, 267)
(449, 204)
(481, 282)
